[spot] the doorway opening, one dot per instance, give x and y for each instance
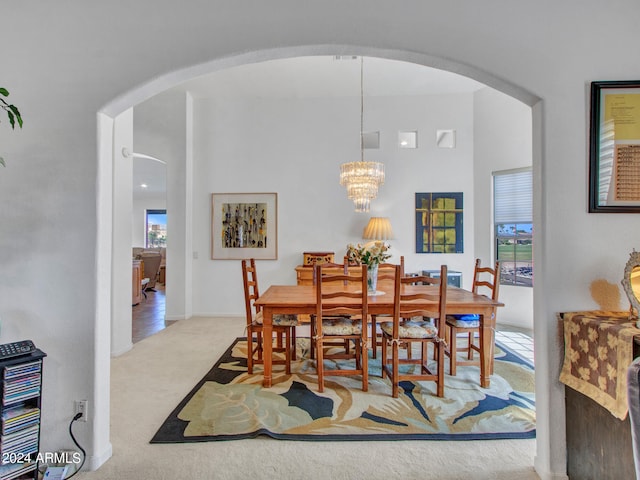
(131, 99)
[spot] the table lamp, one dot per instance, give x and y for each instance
(378, 228)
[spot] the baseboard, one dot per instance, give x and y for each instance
(203, 315)
(218, 315)
(546, 475)
(125, 349)
(94, 462)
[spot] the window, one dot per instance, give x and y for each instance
(513, 221)
(156, 228)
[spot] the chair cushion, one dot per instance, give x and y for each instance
(341, 326)
(279, 319)
(464, 321)
(412, 329)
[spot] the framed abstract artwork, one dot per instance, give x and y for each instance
(244, 225)
(614, 149)
(439, 223)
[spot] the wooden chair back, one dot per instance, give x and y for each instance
(387, 271)
(251, 292)
(386, 277)
(404, 307)
(332, 268)
(324, 294)
(486, 280)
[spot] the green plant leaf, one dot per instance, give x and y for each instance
(4, 91)
(12, 119)
(2, 162)
(16, 112)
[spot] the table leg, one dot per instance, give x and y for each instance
(267, 344)
(487, 325)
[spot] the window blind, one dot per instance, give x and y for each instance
(513, 196)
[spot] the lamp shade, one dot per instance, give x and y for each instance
(378, 228)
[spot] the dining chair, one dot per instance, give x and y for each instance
(329, 268)
(284, 326)
(420, 331)
(386, 275)
(486, 280)
(342, 322)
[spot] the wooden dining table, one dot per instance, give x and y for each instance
(301, 299)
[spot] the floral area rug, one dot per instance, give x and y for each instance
(229, 404)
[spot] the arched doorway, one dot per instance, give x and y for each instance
(114, 109)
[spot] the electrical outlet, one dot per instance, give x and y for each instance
(82, 406)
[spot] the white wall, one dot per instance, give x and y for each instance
(122, 208)
(62, 73)
(290, 139)
(502, 129)
(295, 148)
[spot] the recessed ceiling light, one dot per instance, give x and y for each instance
(143, 185)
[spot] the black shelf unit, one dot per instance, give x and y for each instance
(20, 407)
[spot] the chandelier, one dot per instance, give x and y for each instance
(362, 179)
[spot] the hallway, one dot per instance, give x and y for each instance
(148, 315)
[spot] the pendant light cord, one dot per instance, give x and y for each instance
(361, 109)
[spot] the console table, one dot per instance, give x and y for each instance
(304, 273)
(599, 347)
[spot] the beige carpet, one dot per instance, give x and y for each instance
(148, 381)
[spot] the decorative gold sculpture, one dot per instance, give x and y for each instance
(631, 284)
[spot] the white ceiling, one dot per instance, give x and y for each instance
(309, 77)
(150, 173)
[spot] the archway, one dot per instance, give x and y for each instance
(111, 111)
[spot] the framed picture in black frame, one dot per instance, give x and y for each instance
(439, 222)
(614, 147)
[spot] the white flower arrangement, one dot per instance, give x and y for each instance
(372, 253)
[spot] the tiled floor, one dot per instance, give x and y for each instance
(520, 343)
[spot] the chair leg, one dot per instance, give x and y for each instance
(374, 336)
(470, 351)
(395, 367)
(440, 383)
(319, 365)
(365, 363)
(383, 373)
(294, 343)
(250, 353)
(424, 355)
(287, 352)
(312, 343)
(259, 342)
(452, 351)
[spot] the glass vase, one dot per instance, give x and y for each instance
(372, 278)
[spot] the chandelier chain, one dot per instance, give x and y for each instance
(361, 108)
(362, 178)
